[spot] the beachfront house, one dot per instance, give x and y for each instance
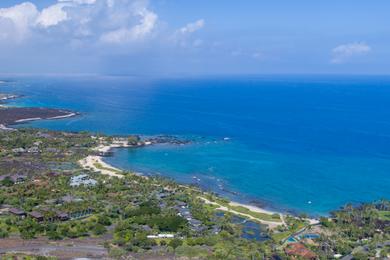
(18, 212)
(80, 213)
(184, 212)
(33, 149)
(62, 216)
(37, 216)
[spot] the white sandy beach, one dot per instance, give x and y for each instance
(3, 127)
(91, 162)
(253, 208)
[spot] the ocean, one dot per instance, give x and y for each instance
(291, 143)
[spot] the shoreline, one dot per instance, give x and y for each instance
(18, 115)
(10, 115)
(6, 97)
(71, 114)
(109, 148)
(97, 164)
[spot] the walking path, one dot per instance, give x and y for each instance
(271, 224)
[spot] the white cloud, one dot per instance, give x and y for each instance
(146, 25)
(53, 15)
(343, 53)
(105, 20)
(80, 2)
(16, 20)
(183, 36)
(192, 27)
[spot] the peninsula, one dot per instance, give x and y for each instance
(16, 115)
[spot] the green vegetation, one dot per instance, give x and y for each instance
(101, 167)
(259, 215)
(362, 231)
(293, 226)
(384, 215)
(151, 215)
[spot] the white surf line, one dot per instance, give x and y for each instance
(28, 119)
(64, 116)
(39, 118)
(7, 97)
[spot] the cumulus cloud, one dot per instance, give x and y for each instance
(147, 22)
(91, 35)
(345, 52)
(108, 21)
(53, 15)
(192, 27)
(183, 36)
(16, 21)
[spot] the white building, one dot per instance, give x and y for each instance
(161, 236)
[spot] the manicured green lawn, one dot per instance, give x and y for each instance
(101, 167)
(384, 215)
(259, 215)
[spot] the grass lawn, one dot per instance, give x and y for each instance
(259, 215)
(384, 215)
(100, 167)
(283, 235)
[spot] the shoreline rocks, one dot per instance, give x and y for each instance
(16, 115)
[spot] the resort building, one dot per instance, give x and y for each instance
(161, 236)
(37, 216)
(82, 179)
(17, 212)
(184, 212)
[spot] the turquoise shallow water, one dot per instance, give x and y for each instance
(302, 143)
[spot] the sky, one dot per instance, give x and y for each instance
(202, 37)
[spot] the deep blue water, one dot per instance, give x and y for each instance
(304, 143)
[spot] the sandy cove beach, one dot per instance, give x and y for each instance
(4, 128)
(96, 163)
